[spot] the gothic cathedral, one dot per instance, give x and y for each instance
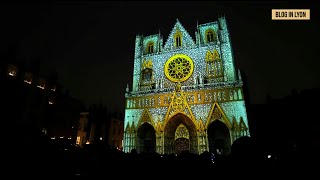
(186, 95)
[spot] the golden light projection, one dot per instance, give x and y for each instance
(181, 132)
(179, 68)
(147, 64)
(178, 104)
(187, 92)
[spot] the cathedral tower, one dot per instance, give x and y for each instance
(187, 94)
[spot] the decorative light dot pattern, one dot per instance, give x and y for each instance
(235, 109)
(196, 50)
(201, 111)
(187, 40)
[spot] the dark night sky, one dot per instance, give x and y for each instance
(91, 44)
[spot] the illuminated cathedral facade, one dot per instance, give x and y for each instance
(186, 95)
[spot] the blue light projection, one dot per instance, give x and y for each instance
(202, 97)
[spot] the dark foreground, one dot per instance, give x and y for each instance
(97, 161)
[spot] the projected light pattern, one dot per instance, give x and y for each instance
(180, 90)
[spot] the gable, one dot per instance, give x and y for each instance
(145, 117)
(216, 113)
(187, 40)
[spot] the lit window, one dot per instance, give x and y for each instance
(12, 70)
(78, 140)
(178, 39)
(211, 36)
(41, 84)
(51, 100)
(28, 78)
(53, 137)
(26, 81)
(150, 47)
(12, 73)
(53, 88)
(100, 138)
(41, 87)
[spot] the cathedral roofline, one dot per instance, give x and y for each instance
(150, 36)
(209, 23)
(178, 23)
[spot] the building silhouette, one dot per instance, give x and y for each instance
(287, 125)
(98, 126)
(36, 104)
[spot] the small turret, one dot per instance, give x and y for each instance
(127, 88)
(239, 75)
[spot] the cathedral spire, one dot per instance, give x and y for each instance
(159, 42)
(127, 88)
(239, 75)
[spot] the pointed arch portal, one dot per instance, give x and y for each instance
(181, 140)
(180, 135)
(146, 141)
(219, 138)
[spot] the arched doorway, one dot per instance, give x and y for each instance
(180, 135)
(146, 141)
(219, 138)
(181, 140)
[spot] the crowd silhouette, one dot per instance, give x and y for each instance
(47, 159)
